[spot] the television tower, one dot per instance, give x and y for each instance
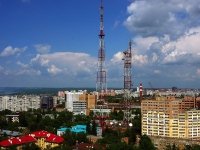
(101, 86)
(127, 84)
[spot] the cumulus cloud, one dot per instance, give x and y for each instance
(9, 51)
(117, 57)
(67, 63)
(142, 44)
(53, 70)
(30, 72)
(160, 18)
(140, 60)
(42, 48)
(22, 65)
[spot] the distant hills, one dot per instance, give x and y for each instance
(40, 90)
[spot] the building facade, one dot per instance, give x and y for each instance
(170, 117)
(19, 103)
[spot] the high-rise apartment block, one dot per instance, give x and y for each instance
(171, 117)
(19, 103)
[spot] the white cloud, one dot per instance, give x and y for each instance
(140, 60)
(71, 64)
(8, 72)
(116, 24)
(22, 65)
(141, 44)
(9, 51)
(43, 48)
(30, 72)
(155, 57)
(160, 18)
(198, 71)
(44, 62)
(1, 68)
(157, 71)
(117, 57)
(53, 70)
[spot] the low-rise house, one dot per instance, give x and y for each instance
(78, 129)
(43, 139)
(10, 133)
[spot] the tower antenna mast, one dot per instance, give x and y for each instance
(127, 84)
(101, 85)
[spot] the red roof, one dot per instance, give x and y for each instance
(52, 138)
(49, 136)
(39, 134)
(6, 143)
(16, 140)
(27, 139)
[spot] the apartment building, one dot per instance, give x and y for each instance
(170, 117)
(19, 103)
(70, 98)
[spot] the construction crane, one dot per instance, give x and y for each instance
(151, 86)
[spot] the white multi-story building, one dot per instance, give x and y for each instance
(19, 103)
(70, 98)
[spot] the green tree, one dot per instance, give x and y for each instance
(145, 143)
(81, 137)
(109, 139)
(71, 137)
(121, 146)
(94, 128)
(88, 127)
(62, 147)
(195, 147)
(130, 133)
(187, 147)
(23, 120)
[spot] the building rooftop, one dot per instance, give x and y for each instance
(10, 133)
(49, 137)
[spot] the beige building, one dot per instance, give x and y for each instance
(170, 117)
(85, 103)
(162, 142)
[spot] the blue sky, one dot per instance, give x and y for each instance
(48, 43)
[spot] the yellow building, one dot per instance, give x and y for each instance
(170, 117)
(90, 101)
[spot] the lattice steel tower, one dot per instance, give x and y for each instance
(127, 83)
(101, 86)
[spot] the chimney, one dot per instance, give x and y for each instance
(140, 93)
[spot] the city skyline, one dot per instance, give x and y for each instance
(55, 44)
